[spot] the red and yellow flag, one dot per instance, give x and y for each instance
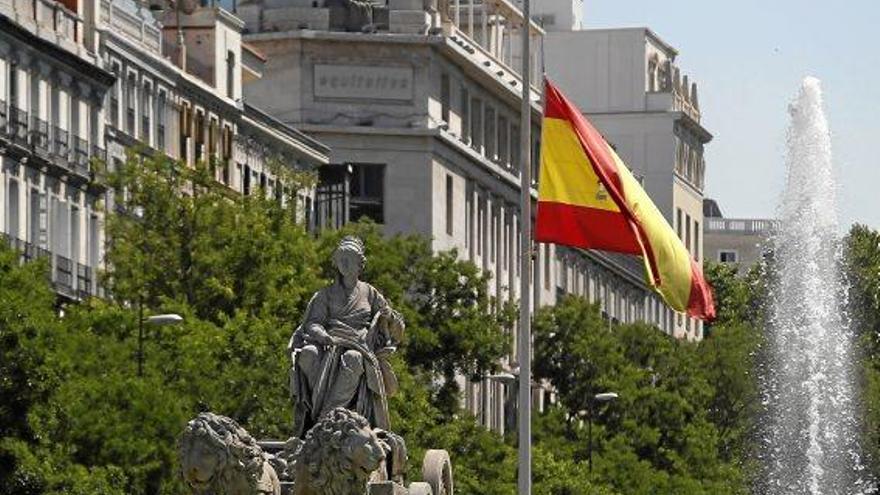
(588, 198)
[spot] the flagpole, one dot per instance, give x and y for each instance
(524, 342)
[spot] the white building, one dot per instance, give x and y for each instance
(627, 83)
(422, 102)
(51, 90)
(193, 110)
(736, 241)
(81, 82)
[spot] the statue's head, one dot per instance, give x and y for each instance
(215, 449)
(340, 453)
(349, 258)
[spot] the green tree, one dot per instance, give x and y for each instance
(862, 268)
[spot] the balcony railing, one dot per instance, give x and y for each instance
(64, 273)
(19, 125)
(61, 147)
(81, 156)
(4, 117)
(83, 280)
(40, 135)
(741, 225)
(70, 278)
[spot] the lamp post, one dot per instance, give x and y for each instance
(155, 320)
(508, 379)
(598, 398)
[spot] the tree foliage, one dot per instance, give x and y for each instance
(862, 269)
(77, 418)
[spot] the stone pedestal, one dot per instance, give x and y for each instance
(386, 488)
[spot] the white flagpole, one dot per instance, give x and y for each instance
(524, 343)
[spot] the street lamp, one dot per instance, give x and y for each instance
(503, 378)
(598, 398)
(155, 320)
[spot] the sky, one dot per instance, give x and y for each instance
(748, 58)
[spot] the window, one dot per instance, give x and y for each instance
(246, 189)
(213, 130)
(493, 232)
(547, 266)
(12, 210)
(697, 240)
(449, 217)
(145, 114)
(74, 233)
(161, 109)
(515, 149)
(469, 218)
(131, 102)
(476, 124)
(444, 97)
(230, 74)
(185, 131)
(490, 136)
(114, 97)
(38, 220)
(481, 215)
(94, 244)
(503, 142)
(367, 192)
(678, 222)
(465, 115)
(687, 232)
(199, 136)
(13, 85)
(727, 256)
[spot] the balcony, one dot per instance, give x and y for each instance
(61, 146)
(4, 117)
(40, 136)
(70, 279)
(128, 19)
(18, 121)
(80, 163)
(64, 275)
(741, 225)
(84, 278)
(491, 32)
(56, 22)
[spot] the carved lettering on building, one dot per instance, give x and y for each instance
(361, 81)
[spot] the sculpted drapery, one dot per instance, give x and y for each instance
(340, 350)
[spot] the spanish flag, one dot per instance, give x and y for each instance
(588, 198)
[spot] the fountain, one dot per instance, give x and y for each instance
(810, 437)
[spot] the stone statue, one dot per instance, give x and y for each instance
(218, 457)
(338, 456)
(340, 351)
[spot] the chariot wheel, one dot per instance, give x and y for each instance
(437, 472)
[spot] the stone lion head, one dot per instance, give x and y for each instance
(218, 456)
(338, 455)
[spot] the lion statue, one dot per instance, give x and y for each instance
(338, 456)
(218, 457)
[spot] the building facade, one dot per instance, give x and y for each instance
(187, 102)
(742, 242)
(420, 103)
(627, 83)
(52, 86)
(81, 83)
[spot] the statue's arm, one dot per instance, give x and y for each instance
(311, 330)
(394, 323)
